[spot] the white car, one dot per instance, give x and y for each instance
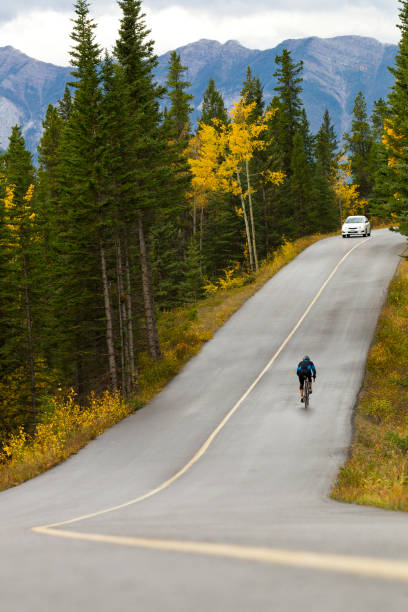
(356, 226)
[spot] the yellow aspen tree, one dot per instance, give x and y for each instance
(203, 157)
(222, 155)
(347, 194)
(203, 179)
(243, 138)
(214, 168)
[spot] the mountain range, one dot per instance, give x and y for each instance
(335, 70)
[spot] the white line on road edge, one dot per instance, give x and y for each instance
(210, 439)
(385, 569)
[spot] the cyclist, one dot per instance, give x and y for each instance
(305, 370)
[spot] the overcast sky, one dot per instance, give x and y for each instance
(41, 28)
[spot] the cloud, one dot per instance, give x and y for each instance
(44, 34)
(15, 8)
(233, 8)
(267, 29)
(243, 7)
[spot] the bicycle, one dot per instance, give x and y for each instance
(307, 390)
(306, 393)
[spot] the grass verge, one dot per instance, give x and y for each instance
(67, 427)
(377, 471)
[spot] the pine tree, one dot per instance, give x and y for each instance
(273, 199)
(287, 122)
(4, 294)
(19, 356)
(301, 190)
(172, 228)
(379, 117)
(252, 93)
(81, 298)
(18, 166)
(213, 106)
(136, 56)
(326, 157)
(222, 236)
(65, 104)
(308, 138)
(193, 278)
(178, 115)
(49, 159)
(50, 223)
(289, 105)
(359, 144)
(326, 146)
(391, 181)
(117, 187)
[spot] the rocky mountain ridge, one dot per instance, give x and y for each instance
(27, 87)
(335, 69)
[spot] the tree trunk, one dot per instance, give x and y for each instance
(129, 314)
(201, 239)
(251, 212)
(119, 282)
(124, 312)
(249, 242)
(30, 344)
(194, 212)
(267, 243)
(108, 316)
(147, 283)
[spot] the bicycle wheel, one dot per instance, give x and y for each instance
(306, 394)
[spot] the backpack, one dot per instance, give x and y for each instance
(304, 367)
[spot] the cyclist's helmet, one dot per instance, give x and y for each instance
(306, 358)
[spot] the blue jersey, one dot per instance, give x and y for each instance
(306, 368)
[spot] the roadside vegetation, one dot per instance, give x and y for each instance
(67, 424)
(377, 471)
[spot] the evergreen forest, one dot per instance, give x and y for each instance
(134, 211)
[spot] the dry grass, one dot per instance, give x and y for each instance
(377, 471)
(67, 427)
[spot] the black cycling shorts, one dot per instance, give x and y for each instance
(302, 378)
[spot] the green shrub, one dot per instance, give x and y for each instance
(378, 409)
(350, 477)
(396, 440)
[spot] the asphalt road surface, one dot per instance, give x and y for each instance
(213, 498)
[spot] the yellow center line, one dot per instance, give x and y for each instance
(380, 568)
(385, 569)
(224, 421)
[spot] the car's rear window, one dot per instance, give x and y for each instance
(355, 220)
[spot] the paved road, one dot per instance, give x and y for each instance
(249, 525)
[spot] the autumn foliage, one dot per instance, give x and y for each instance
(377, 471)
(63, 431)
(220, 163)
